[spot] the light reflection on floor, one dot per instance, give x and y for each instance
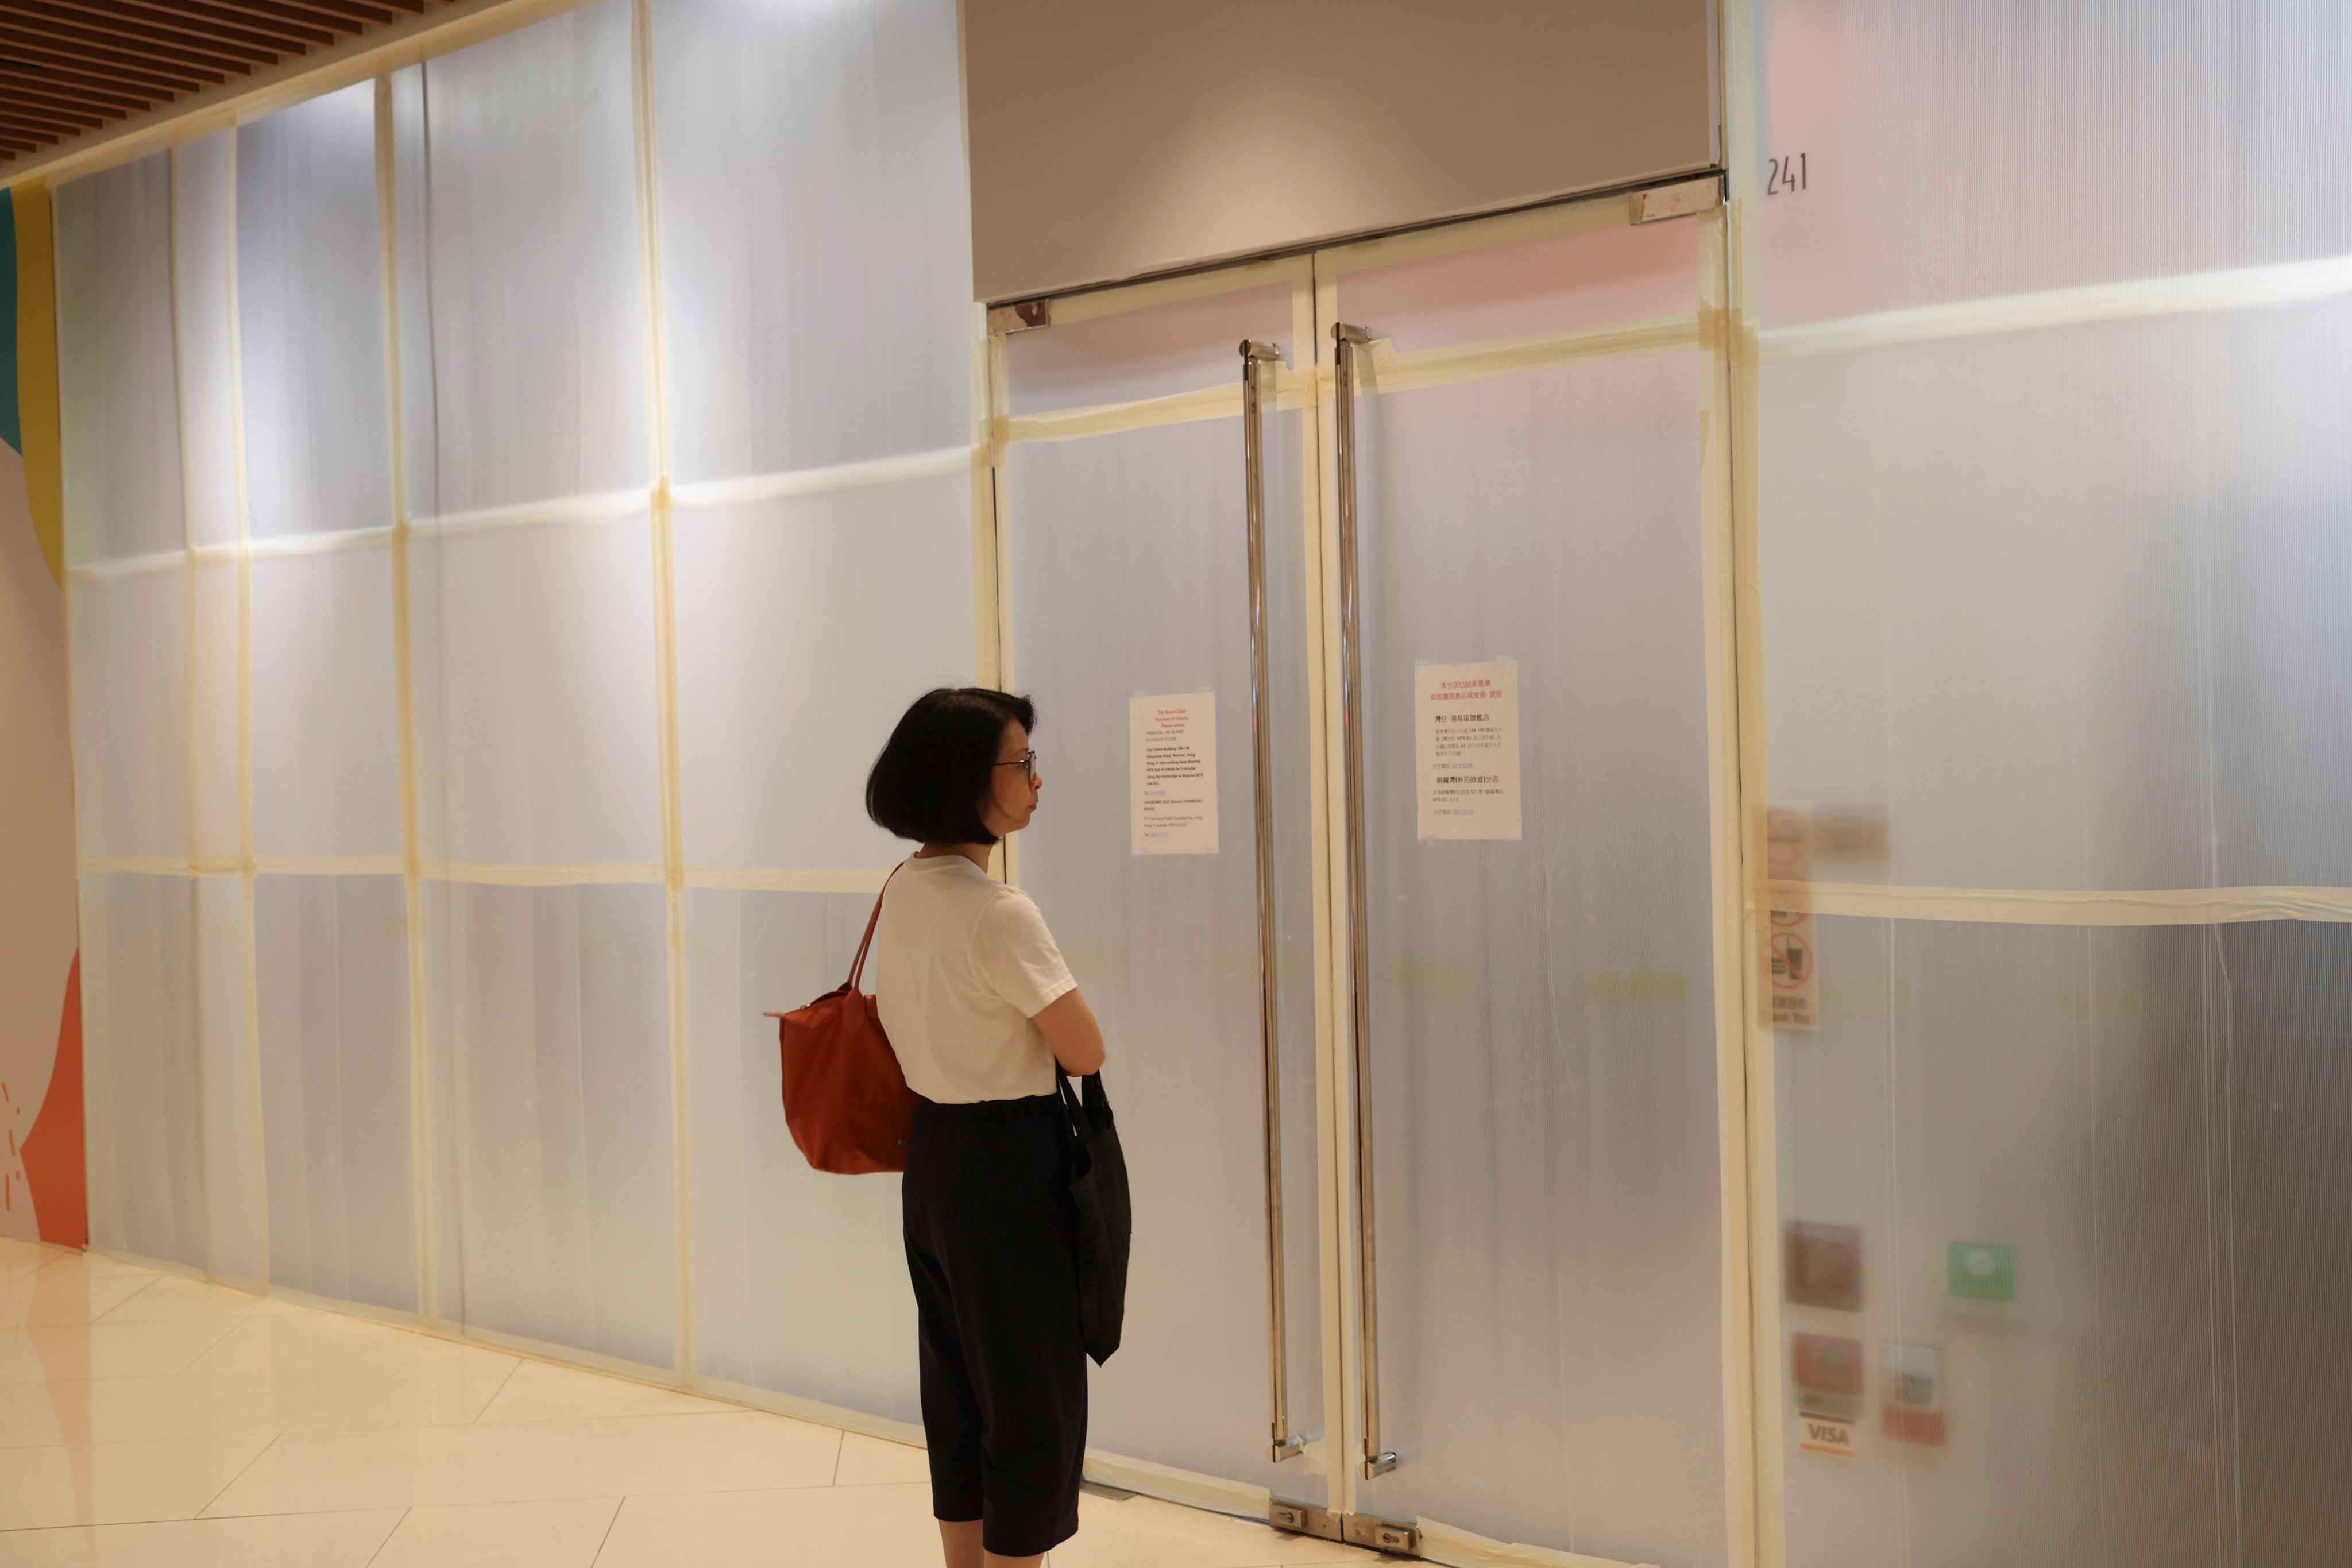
(149, 1419)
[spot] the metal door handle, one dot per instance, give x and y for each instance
(1255, 359)
(1345, 340)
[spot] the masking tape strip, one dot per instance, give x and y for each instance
(1187, 1487)
(2036, 906)
(1720, 612)
(403, 675)
(252, 976)
(664, 650)
(770, 879)
(813, 481)
(1391, 371)
(1074, 424)
(2284, 283)
(586, 874)
(1444, 1543)
(1412, 370)
(608, 873)
(601, 507)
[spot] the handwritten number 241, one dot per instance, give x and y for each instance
(1785, 174)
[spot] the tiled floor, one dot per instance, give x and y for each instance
(146, 1419)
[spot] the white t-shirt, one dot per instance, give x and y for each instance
(961, 964)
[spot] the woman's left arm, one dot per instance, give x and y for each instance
(1069, 1027)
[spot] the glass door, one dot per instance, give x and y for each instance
(1520, 499)
(1368, 600)
(1155, 600)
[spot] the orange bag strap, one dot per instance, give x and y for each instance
(857, 965)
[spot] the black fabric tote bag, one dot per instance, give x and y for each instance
(1099, 1203)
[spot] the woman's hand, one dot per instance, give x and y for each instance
(1069, 1027)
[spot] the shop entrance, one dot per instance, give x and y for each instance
(1373, 602)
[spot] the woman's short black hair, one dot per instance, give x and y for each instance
(941, 764)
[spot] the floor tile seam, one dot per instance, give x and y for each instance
(275, 1431)
(194, 1519)
(144, 1286)
(272, 1433)
(502, 1388)
(813, 1489)
(607, 1538)
(241, 1471)
(387, 1534)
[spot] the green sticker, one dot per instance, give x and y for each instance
(1983, 1271)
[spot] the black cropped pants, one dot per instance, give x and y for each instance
(993, 1256)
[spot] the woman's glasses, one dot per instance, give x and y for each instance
(1025, 760)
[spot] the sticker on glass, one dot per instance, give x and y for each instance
(1822, 1265)
(1466, 750)
(1911, 1408)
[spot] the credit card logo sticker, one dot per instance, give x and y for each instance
(1827, 1372)
(1825, 1434)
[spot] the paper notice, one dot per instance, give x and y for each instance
(1794, 994)
(1466, 750)
(1171, 773)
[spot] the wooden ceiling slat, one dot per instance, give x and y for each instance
(201, 22)
(74, 94)
(231, 59)
(14, 114)
(341, 19)
(68, 67)
(181, 78)
(79, 72)
(80, 79)
(375, 13)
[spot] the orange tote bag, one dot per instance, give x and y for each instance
(845, 1100)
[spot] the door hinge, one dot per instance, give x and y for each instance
(1355, 1529)
(1026, 316)
(1678, 200)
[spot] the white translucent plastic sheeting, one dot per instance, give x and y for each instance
(2150, 1120)
(1542, 1009)
(800, 1277)
(204, 198)
(1603, 277)
(2067, 604)
(121, 432)
(333, 966)
(549, 1019)
(536, 737)
(806, 625)
(131, 709)
(535, 358)
(1129, 576)
(326, 743)
(215, 802)
(144, 1115)
(816, 266)
(310, 292)
(229, 1110)
(1157, 351)
(1961, 151)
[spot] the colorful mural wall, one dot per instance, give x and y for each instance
(42, 1186)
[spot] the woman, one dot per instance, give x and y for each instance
(979, 1005)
